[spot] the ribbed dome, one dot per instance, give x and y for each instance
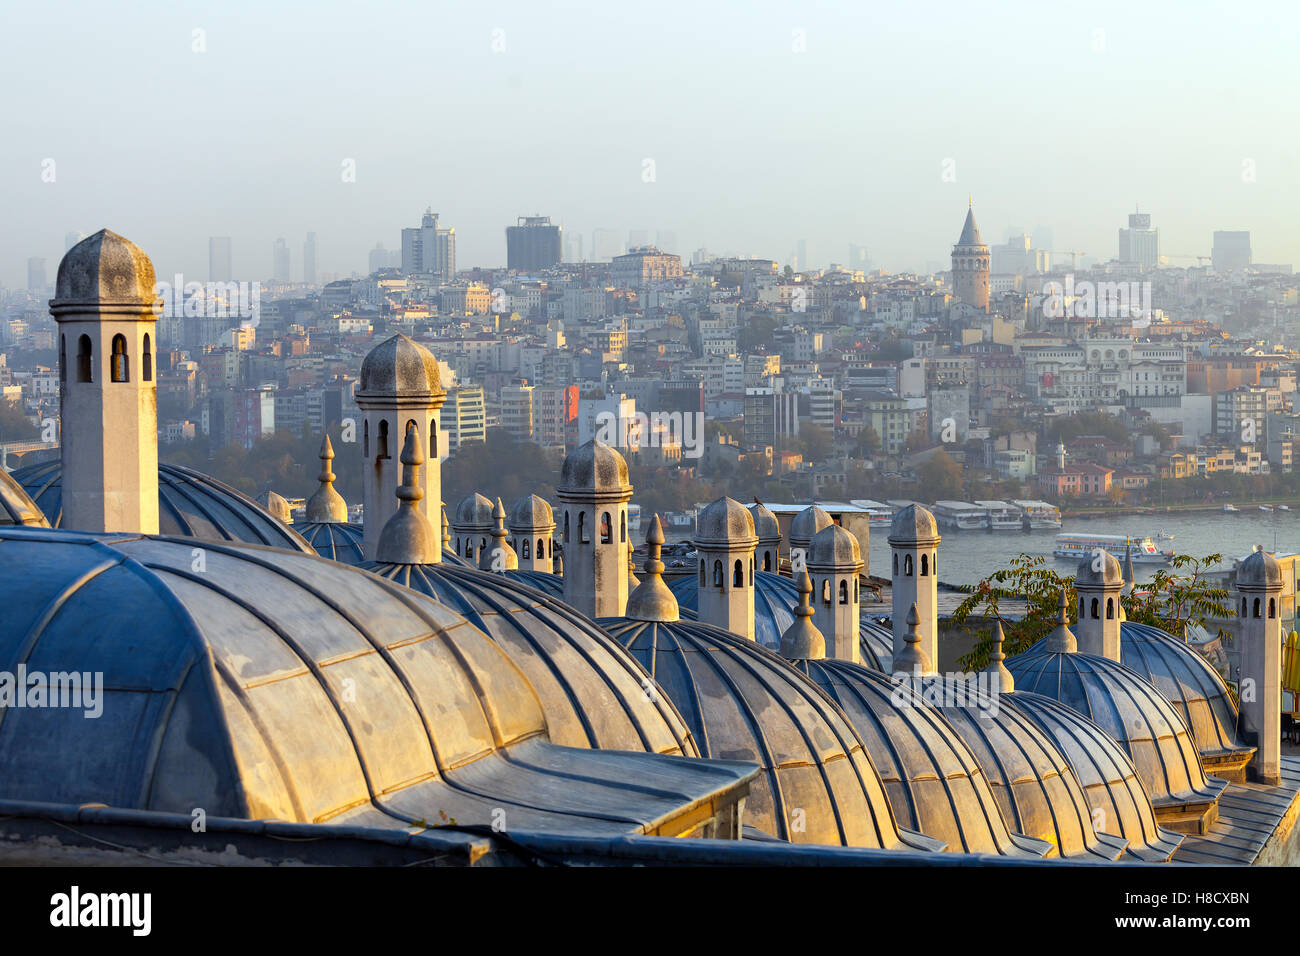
(743, 702)
(594, 467)
(913, 525)
(1133, 712)
(335, 540)
(552, 585)
(806, 524)
(833, 547)
(399, 366)
(1034, 784)
(275, 506)
(1099, 569)
(1119, 802)
(877, 643)
(531, 513)
(934, 782)
(1187, 681)
(270, 684)
(775, 598)
(190, 504)
(592, 691)
(1259, 570)
(474, 513)
(725, 522)
(766, 526)
(104, 270)
(16, 507)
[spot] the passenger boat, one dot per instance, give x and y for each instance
(877, 511)
(1267, 509)
(1039, 515)
(1141, 547)
(1003, 516)
(1283, 507)
(960, 516)
(1230, 509)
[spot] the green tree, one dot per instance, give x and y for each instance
(14, 423)
(939, 477)
(868, 443)
(815, 442)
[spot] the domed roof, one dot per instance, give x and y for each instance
(725, 522)
(592, 691)
(399, 366)
(743, 702)
(1099, 568)
(1189, 682)
(336, 540)
(1259, 570)
(913, 525)
(833, 547)
(15, 505)
(552, 585)
(530, 513)
(934, 782)
(278, 685)
(1132, 711)
(190, 504)
(474, 513)
(1120, 804)
(877, 644)
(775, 598)
(594, 467)
(766, 526)
(1032, 780)
(806, 524)
(276, 506)
(104, 270)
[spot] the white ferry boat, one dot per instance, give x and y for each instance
(1003, 516)
(1143, 549)
(1039, 514)
(877, 511)
(960, 515)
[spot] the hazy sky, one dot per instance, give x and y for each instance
(1054, 114)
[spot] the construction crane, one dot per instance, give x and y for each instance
(1200, 260)
(1073, 254)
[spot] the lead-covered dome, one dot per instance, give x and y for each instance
(1120, 803)
(833, 547)
(337, 540)
(766, 525)
(16, 506)
(1134, 713)
(399, 366)
(1099, 569)
(268, 684)
(743, 702)
(1259, 570)
(474, 513)
(1193, 686)
(934, 782)
(594, 467)
(104, 270)
(593, 693)
(913, 525)
(531, 513)
(806, 524)
(725, 522)
(190, 504)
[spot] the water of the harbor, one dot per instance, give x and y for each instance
(965, 557)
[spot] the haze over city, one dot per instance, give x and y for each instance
(766, 123)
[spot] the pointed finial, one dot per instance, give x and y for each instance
(498, 556)
(912, 659)
(407, 537)
(801, 640)
(1061, 640)
(446, 530)
(327, 505)
(1002, 678)
(1130, 578)
(970, 200)
(652, 600)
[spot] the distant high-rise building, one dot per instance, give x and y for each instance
(280, 261)
(36, 275)
(859, 258)
(1139, 244)
(605, 245)
(381, 258)
(429, 249)
(219, 267)
(573, 247)
(1231, 251)
(970, 265)
(533, 244)
(801, 255)
(309, 259)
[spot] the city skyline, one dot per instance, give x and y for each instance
(921, 119)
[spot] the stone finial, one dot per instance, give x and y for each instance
(652, 600)
(801, 640)
(1061, 640)
(498, 556)
(408, 536)
(1002, 677)
(326, 504)
(1130, 578)
(446, 530)
(912, 659)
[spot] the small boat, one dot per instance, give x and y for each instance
(1267, 509)
(1283, 507)
(1230, 509)
(1164, 536)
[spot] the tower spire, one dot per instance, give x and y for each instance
(801, 640)
(1002, 678)
(652, 600)
(327, 504)
(913, 659)
(498, 556)
(408, 537)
